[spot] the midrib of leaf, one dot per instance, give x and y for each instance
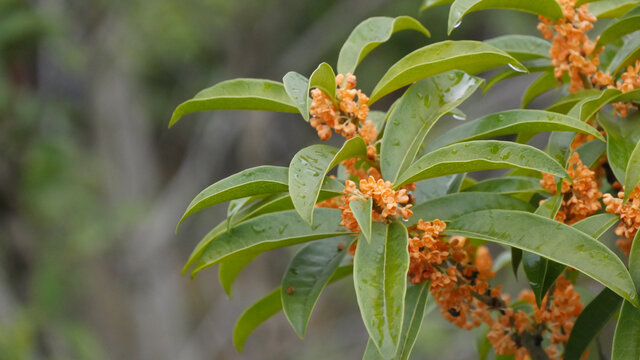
(415, 308)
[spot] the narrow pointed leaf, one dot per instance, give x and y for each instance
(229, 270)
(591, 320)
(611, 8)
(369, 34)
(436, 187)
(324, 79)
(479, 155)
(451, 206)
(297, 87)
(235, 206)
(238, 94)
(415, 304)
(306, 276)
(537, 65)
(516, 260)
(267, 232)
(255, 315)
(623, 134)
(438, 58)
(416, 112)
(362, 209)
(576, 249)
(542, 84)
(587, 107)
(380, 278)
(427, 4)
(513, 122)
(632, 174)
(566, 103)
(309, 167)
(522, 47)
(508, 185)
(547, 8)
(619, 29)
(627, 55)
(626, 343)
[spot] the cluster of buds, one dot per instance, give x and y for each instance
(387, 203)
(629, 217)
(572, 51)
(581, 198)
(629, 80)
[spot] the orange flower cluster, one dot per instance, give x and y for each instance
(629, 215)
(555, 318)
(629, 80)
(348, 116)
(571, 49)
(581, 199)
(387, 203)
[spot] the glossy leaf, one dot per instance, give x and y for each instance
(380, 278)
(415, 113)
(255, 315)
(268, 232)
(522, 47)
(479, 155)
(309, 167)
(440, 57)
(238, 94)
(427, 4)
(362, 209)
(632, 174)
(591, 320)
(513, 122)
(297, 87)
(619, 29)
(547, 8)
(566, 103)
(324, 79)
(625, 339)
(611, 8)
(436, 187)
(537, 65)
(587, 107)
(369, 34)
(235, 206)
(627, 55)
(449, 207)
(542, 84)
(229, 271)
(306, 276)
(576, 249)
(508, 185)
(623, 134)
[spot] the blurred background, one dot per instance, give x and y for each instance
(92, 182)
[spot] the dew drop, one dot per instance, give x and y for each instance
(516, 68)
(459, 117)
(456, 25)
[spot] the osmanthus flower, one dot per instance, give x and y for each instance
(581, 198)
(387, 203)
(629, 217)
(629, 81)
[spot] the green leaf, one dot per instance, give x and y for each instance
(378, 118)
(324, 79)
(623, 134)
(508, 185)
(415, 304)
(625, 340)
(436, 187)
(632, 174)
(306, 276)
(427, 4)
(513, 122)
(537, 65)
(591, 320)
(547, 8)
(269, 306)
(297, 87)
(229, 270)
(619, 29)
(611, 8)
(309, 167)
(627, 55)
(587, 107)
(238, 94)
(380, 278)
(235, 206)
(479, 155)
(369, 34)
(522, 47)
(449, 207)
(591, 151)
(516, 259)
(542, 84)
(438, 58)
(255, 315)
(362, 209)
(576, 249)
(415, 113)
(254, 181)
(268, 232)
(566, 103)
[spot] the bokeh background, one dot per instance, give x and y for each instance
(92, 182)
